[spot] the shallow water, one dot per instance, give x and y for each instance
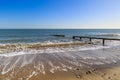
(59, 58)
(42, 53)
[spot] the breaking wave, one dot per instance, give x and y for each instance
(49, 56)
(117, 35)
(58, 58)
(52, 47)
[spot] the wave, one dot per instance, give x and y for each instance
(53, 47)
(55, 59)
(111, 34)
(105, 34)
(5, 48)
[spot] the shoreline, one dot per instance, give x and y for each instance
(102, 72)
(90, 64)
(36, 46)
(17, 47)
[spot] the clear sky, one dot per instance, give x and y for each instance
(59, 13)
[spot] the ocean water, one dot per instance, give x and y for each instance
(12, 40)
(20, 39)
(44, 35)
(39, 48)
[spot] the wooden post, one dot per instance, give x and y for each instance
(90, 40)
(80, 38)
(103, 42)
(73, 37)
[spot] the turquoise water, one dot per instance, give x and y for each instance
(42, 35)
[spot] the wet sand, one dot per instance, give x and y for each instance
(61, 64)
(97, 73)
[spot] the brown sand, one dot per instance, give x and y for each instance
(28, 72)
(105, 74)
(101, 73)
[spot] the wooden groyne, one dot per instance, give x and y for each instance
(90, 38)
(59, 35)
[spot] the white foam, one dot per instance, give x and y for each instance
(64, 51)
(13, 54)
(57, 50)
(53, 50)
(105, 34)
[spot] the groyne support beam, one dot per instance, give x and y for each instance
(90, 38)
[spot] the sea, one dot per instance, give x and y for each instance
(40, 51)
(9, 36)
(20, 38)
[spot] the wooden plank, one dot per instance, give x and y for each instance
(59, 35)
(103, 42)
(90, 38)
(96, 38)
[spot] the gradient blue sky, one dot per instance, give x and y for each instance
(59, 13)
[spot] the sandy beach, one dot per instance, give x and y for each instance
(99, 73)
(61, 64)
(59, 39)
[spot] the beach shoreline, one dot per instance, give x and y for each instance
(102, 72)
(30, 57)
(62, 66)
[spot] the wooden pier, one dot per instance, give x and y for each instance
(90, 38)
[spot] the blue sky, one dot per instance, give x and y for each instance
(59, 13)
